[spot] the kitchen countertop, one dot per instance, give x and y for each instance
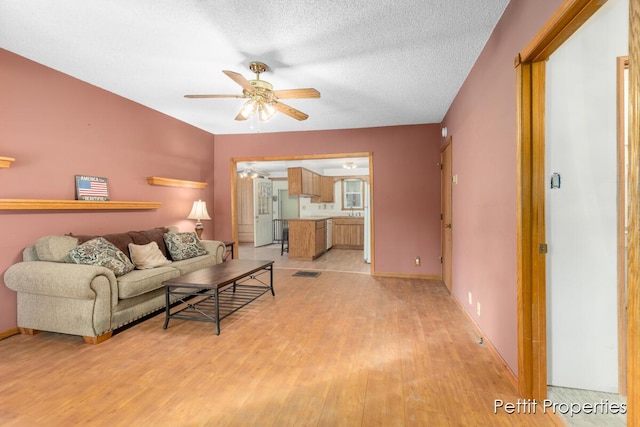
(310, 218)
(322, 218)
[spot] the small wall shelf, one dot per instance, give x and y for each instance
(37, 204)
(169, 182)
(5, 162)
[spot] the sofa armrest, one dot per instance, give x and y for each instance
(216, 248)
(63, 280)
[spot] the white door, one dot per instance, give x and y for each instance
(262, 215)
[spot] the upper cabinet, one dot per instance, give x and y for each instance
(326, 190)
(303, 182)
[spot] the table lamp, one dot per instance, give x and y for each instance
(199, 212)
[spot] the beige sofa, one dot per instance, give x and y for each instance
(57, 294)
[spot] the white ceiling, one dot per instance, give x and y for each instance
(375, 62)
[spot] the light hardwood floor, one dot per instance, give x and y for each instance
(334, 259)
(342, 349)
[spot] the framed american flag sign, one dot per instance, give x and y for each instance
(91, 188)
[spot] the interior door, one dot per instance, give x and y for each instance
(446, 181)
(262, 213)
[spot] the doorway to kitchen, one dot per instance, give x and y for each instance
(333, 259)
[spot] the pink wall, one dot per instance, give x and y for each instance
(406, 198)
(482, 122)
(56, 127)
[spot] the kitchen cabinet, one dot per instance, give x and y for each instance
(303, 182)
(348, 232)
(307, 238)
(326, 190)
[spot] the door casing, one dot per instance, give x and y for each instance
(446, 164)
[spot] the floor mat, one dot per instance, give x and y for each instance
(306, 273)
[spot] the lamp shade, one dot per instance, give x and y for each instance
(199, 211)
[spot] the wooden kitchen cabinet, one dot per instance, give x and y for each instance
(348, 233)
(303, 182)
(321, 237)
(326, 190)
(307, 238)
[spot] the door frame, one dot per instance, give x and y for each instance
(233, 171)
(531, 299)
(530, 210)
(446, 251)
(621, 66)
(633, 255)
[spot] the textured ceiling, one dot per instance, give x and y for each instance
(375, 62)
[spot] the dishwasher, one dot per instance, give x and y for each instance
(329, 233)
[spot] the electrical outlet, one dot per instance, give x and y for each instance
(418, 261)
(470, 299)
(478, 308)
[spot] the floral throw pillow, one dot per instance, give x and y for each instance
(100, 251)
(183, 245)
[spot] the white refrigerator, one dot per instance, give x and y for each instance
(367, 225)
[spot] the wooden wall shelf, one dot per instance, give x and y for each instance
(37, 204)
(170, 182)
(5, 162)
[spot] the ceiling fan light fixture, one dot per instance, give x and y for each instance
(251, 172)
(248, 109)
(266, 111)
(262, 97)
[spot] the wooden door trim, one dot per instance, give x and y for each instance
(448, 144)
(233, 174)
(530, 87)
(563, 23)
(633, 254)
(622, 64)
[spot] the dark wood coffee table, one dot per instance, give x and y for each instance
(212, 293)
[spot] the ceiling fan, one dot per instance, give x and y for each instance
(251, 172)
(262, 98)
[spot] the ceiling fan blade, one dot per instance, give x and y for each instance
(240, 117)
(297, 93)
(239, 78)
(215, 96)
(290, 111)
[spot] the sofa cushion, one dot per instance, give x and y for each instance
(55, 248)
(139, 282)
(193, 264)
(184, 245)
(148, 236)
(100, 252)
(122, 240)
(147, 256)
